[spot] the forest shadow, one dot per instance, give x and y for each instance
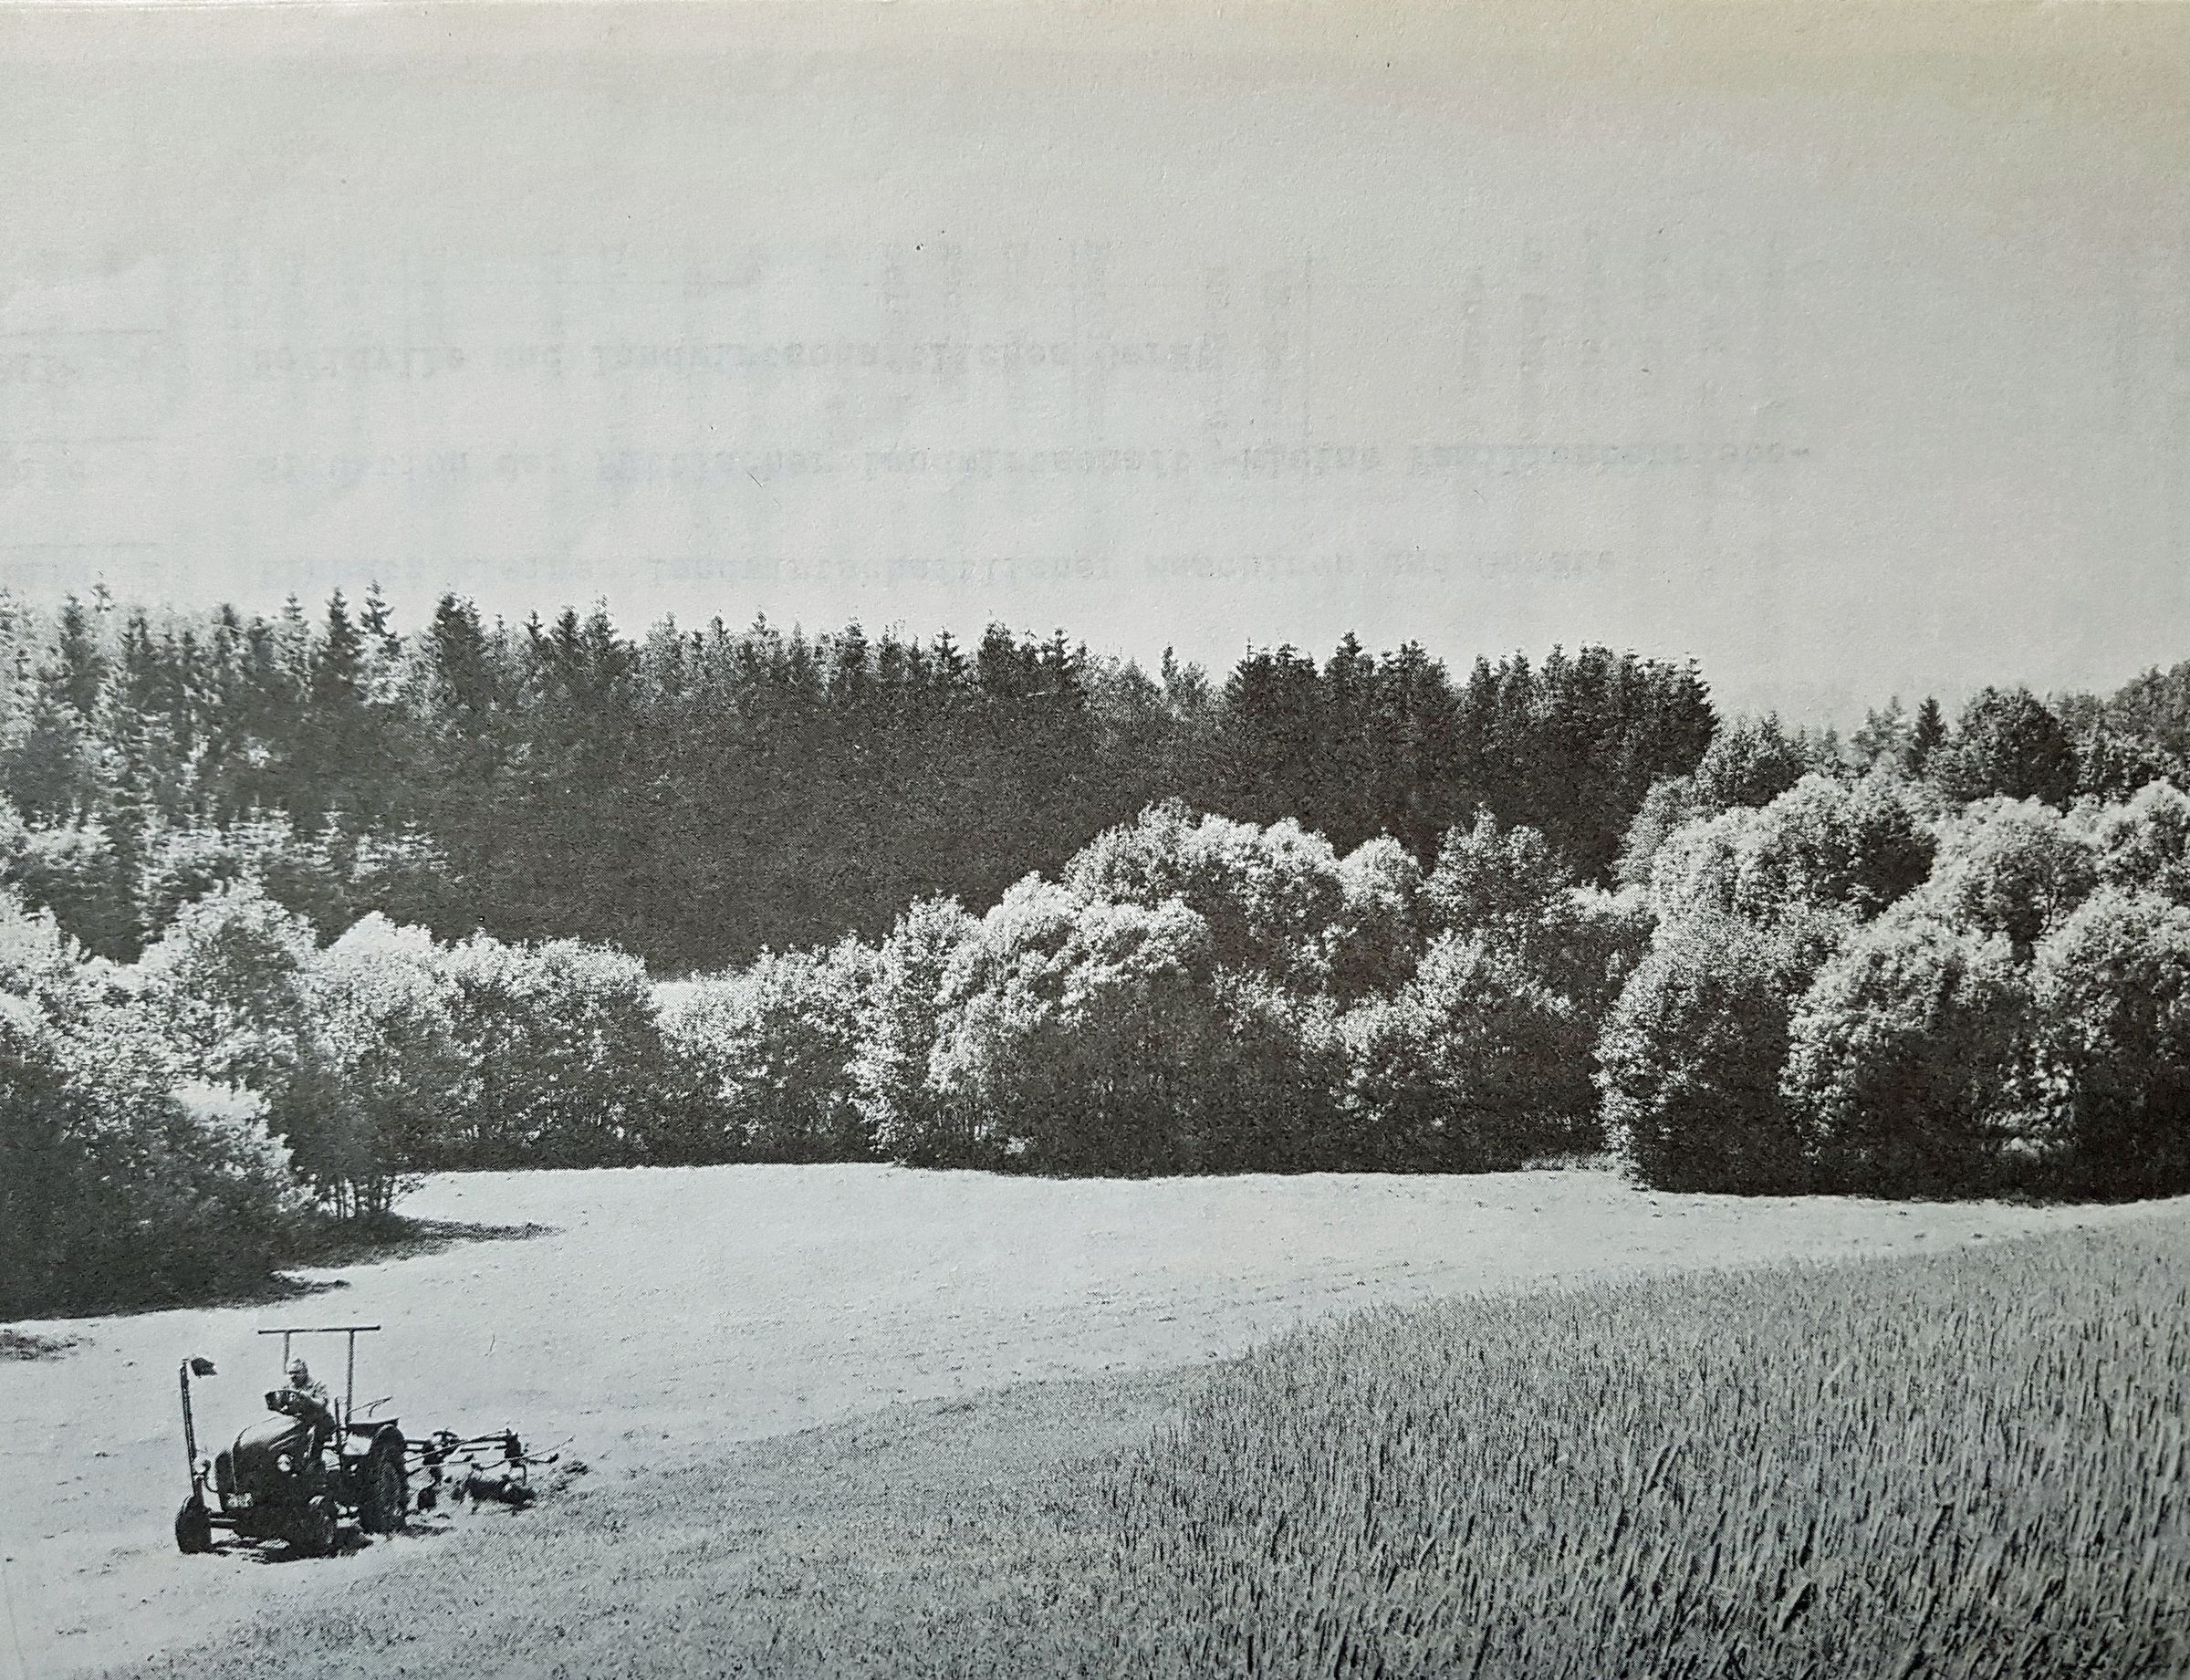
(401, 1237)
(396, 1237)
(20, 1344)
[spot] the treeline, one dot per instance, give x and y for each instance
(1939, 958)
(1856, 986)
(1194, 994)
(1815, 979)
(695, 796)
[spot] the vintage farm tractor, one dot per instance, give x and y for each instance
(299, 1474)
(296, 1475)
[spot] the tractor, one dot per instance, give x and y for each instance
(296, 1475)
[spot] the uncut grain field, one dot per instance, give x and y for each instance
(1967, 1465)
(968, 1356)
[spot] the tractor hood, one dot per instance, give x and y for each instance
(258, 1446)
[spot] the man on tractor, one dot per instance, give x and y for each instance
(319, 1413)
(300, 1379)
(284, 1478)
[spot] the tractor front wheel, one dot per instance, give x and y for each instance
(381, 1499)
(314, 1534)
(193, 1527)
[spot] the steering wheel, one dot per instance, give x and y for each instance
(295, 1402)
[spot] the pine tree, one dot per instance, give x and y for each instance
(1343, 802)
(336, 685)
(78, 669)
(1925, 735)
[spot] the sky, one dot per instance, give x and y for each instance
(1845, 350)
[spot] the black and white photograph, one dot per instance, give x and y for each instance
(918, 840)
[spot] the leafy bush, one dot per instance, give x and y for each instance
(1077, 1032)
(1474, 1065)
(1862, 844)
(1910, 1056)
(1481, 1058)
(378, 1067)
(1705, 867)
(1199, 994)
(1904, 1057)
(1378, 935)
(560, 1054)
(1594, 944)
(2007, 745)
(2143, 843)
(1508, 886)
(1750, 762)
(1276, 1082)
(1274, 898)
(2009, 866)
(1690, 1057)
(1172, 1004)
(902, 1112)
(770, 1049)
(2112, 983)
(1821, 844)
(1087, 1035)
(120, 1181)
(227, 981)
(1495, 881)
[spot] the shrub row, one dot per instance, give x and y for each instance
(1817, 1011)
(170, 1125)
(1191, 994)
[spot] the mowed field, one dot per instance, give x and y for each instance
(669, 1319)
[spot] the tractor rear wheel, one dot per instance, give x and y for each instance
(381, 1499)
(193, 1527)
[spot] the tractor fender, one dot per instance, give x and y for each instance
(360, 1438)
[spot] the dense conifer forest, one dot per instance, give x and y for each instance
(693, 794)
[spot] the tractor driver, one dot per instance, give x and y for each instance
(321, 1414)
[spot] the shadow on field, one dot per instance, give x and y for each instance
(348, 1543)
(396, 1237)
(17, 1345)
(393, 1238)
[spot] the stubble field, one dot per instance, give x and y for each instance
(684, 1324)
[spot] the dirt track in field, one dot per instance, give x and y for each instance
(668, 1313)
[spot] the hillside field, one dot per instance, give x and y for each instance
(667, 1322)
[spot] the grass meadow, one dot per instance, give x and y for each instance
(1967, 1465)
